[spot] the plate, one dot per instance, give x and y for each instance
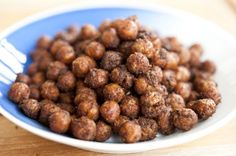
(17, 42)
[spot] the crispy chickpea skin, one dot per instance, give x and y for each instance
(59, 121)
(84, 94)
(103, 132)
(130, 107)
(88, 31)
(143, 46)
(152, 98)
(208, 89)
(208, 66)
(65, 54)
(31, 108)
(127, 29)
(47, 109)
(89, 109)
(118, 123)
(110, 111)
(113, 92)
(165, 121)
(44, 42)
(130, 132)
(138, 63)
(204, 108)
(66, 81)
(149, 128)
(110, 38)
(83, 128)
(182, 74)
(20, 77)
(49, 90)
(111, 59)
(95, 50)
(56, 45)
(81, 66)
(175, 101)
(121, 76)
(18, 92)
(184, 119)
(97, 78)
(34, 92)
(54, 69)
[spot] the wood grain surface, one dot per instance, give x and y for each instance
(16, 141)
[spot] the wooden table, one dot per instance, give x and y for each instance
(16, 141)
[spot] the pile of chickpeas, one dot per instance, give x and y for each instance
(119, 79)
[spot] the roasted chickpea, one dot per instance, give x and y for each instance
(111, 59)
(110, 111)
(88, 108)
(54, 69)
(88, 31)
(83, 128)
(183, 89)
(160, 58)
(66, 81)
(43, 42)
(172, 44)
(194, 95)
(49, 90)
(59, 121)
(18, 92)
(34, 92)
(121, 76)
(85, 94)
(138, 63)
(172, 60)
(110, 38)
(80, 46)
(44, 62)
(32, 69)
(104, 25)
(95, 50)
(154, 75)
(204, 108)
(130, 132)
(113, 92)
(31, 108)
(47, 109)
(38, 78)
(184, 56)
(152, 98)
(118, 123)
(175, 101)
(67, 107)
(208, 66)
(184, 119)
(182, 74)
(20, 77)
(152, 111)
(103, 131)
(81, 66)
(143, 46)
(66, 98)
(56, 45)
(97, 78)
(127, 29)
(195, 53)
(141, 85)
(65, 54)
(130, 107)
(169, 79)
(125, 48)
(39, 54)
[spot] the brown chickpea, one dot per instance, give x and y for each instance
(80, 46)
(125, 48)
(172, 44)
(111, 59)
(172, 60)
(195, 53)
(127, 29)
(97, 78)
(39, 54)
(83, 128)
(88, 31)
(49, 90)
(169, 79)
(175, 101)
(81, 66)
(208, 66)
(56, 45)
(44, 62)
(121, 76)
(152, 98)
(184, 89)
(194, 95)
(152, 111)
(32, 69)
(204, 108)
(109, 38)
(88, 108)
(160, 58)
(154, 75)
(54, 69)
(65, 54)
(118, 123)
(184, 119)
(31, 108)
(66, 81)
(34, 92)
(130, 132)
(20, 77)
(182, 74)
(141, 85)
(67, 107)
(130, 107)
(47, 109)
(103, 131)
(85, 94)
(143, 46)
(59, 121)
(80, 85)
(95, 50)
(66, 98)
(43, 42)
(149, 128)
(104, 25)
(138, 63)
(113, 92)
(69, 37)
(110, 111)
(184, 56)
(18, 92)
